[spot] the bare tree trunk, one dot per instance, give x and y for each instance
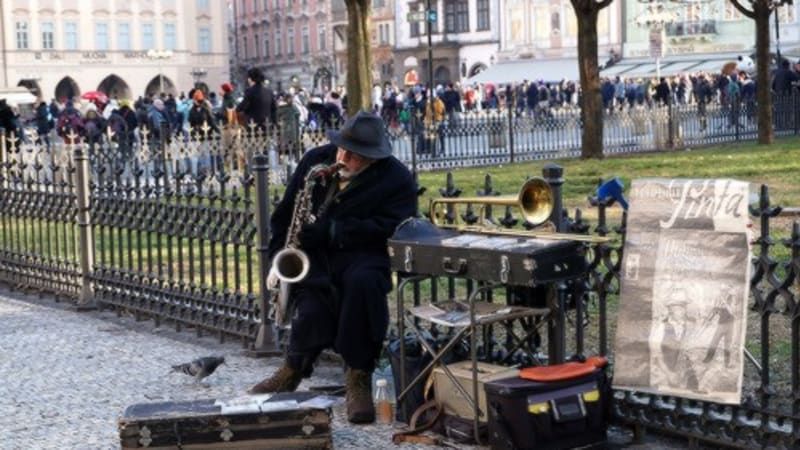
(766, 130)
(591, 101)
(760, 13)
(359, 62)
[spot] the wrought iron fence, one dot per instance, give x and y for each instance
(157, 236)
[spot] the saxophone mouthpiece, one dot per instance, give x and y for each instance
(330, 170)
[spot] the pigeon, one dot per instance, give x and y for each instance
(201, 367)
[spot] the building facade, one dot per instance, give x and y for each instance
(289, 40)
(465, 38)
(695, 28)
(543, 29)
(125, 48)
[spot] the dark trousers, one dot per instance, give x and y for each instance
(350, 315)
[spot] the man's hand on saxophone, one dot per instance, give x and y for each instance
(272, 279)
(314, 235)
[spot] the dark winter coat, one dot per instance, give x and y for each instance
(258, 105)
(360, 218)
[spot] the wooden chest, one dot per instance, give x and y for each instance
(282, 421)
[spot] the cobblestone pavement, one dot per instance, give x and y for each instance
(66, 377)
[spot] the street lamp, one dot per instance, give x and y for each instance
(160, 55)
(198, 73)
(655, 18)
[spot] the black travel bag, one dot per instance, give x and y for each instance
(562, 414)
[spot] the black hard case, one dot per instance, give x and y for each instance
(201, 425)
(512, 426)
(419, 247)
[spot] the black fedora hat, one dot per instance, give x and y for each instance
(364, 134)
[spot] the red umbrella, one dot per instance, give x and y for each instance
(95, 96)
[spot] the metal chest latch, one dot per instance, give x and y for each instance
(408, 260)
(505, 268)
(145, 437)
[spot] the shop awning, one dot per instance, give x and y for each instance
(547, 70)
(17, 96)
(646, 67)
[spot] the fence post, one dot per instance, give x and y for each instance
(86, 239)
(670, 122)
(164, 133)
(3, 155)
(554, 175)
(511, 103)
(265, 343)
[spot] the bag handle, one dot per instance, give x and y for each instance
(413, 433)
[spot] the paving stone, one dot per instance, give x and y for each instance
(66, 377)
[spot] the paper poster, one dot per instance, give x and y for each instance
(685, 283)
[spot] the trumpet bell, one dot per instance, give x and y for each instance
(535, 201)
(291, 265)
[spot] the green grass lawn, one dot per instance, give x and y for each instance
(777, 165)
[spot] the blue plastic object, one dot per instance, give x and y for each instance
(613, 188)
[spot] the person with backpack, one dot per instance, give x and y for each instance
(122, 123)
(70, 123)
(94, 127)
(42, 120)
(202, 127)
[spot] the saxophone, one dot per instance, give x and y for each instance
(291, 263)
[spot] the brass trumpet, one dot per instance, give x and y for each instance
(535, 202)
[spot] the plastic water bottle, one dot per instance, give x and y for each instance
(384, 411)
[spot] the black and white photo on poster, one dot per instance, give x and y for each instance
(684, 289)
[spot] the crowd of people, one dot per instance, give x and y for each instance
(198, 113)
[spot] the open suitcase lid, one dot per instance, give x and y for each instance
(561, 372)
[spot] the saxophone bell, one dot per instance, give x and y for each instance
(291, 265)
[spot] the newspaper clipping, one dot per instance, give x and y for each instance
(683, 300)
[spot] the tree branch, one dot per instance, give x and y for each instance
(747, 12)
(603, 3)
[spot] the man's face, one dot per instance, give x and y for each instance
(353, 163)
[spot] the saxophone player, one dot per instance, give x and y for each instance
(341, 303)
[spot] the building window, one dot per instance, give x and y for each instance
(202, 4)
(22, 35)
(304, 40)
(278, 42)
(266, 5)
(70, 36)
(169, 36)
(456, 16)
(48, 39)
(322, 39)
(124, 36)
(101, 36)
(204, 40)
(148, 40)
(256, 48)
(266, 46)
(378, 4)
(731, 13)
(384, 33)
(414, 27)
(255, 5)
(244, 47)
(483, 15)
(290, 42)
(786, 13)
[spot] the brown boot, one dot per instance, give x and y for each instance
(360, 408)
(285, 379)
